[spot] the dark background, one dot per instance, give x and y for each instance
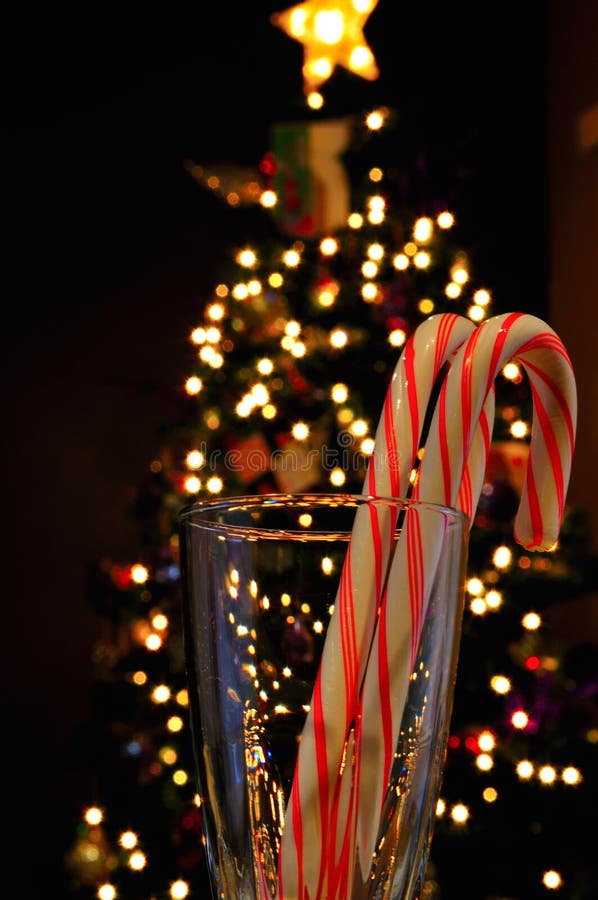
(112, 248)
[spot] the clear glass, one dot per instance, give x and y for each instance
(260, 576)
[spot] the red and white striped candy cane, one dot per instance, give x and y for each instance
(540, 351)
(396, 639)
(449, 443)
(317, 844)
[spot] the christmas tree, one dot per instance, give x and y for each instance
(356, 234)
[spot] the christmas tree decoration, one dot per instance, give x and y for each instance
(309, 180)
(331, 32)
(237, 185)
(89, 857)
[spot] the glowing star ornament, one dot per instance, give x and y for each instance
(331, 32)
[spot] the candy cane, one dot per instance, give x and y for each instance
(541, 352)
(396, 641)
(319, 824)
(449, 443)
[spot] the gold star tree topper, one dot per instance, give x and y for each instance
(332, 34)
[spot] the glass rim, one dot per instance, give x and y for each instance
(299, 499)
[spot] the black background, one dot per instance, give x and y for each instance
(110, 251)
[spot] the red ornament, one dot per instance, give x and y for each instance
(297, 382)
(121, 576)
(268, 165)
(472, 744)
(532, 663)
